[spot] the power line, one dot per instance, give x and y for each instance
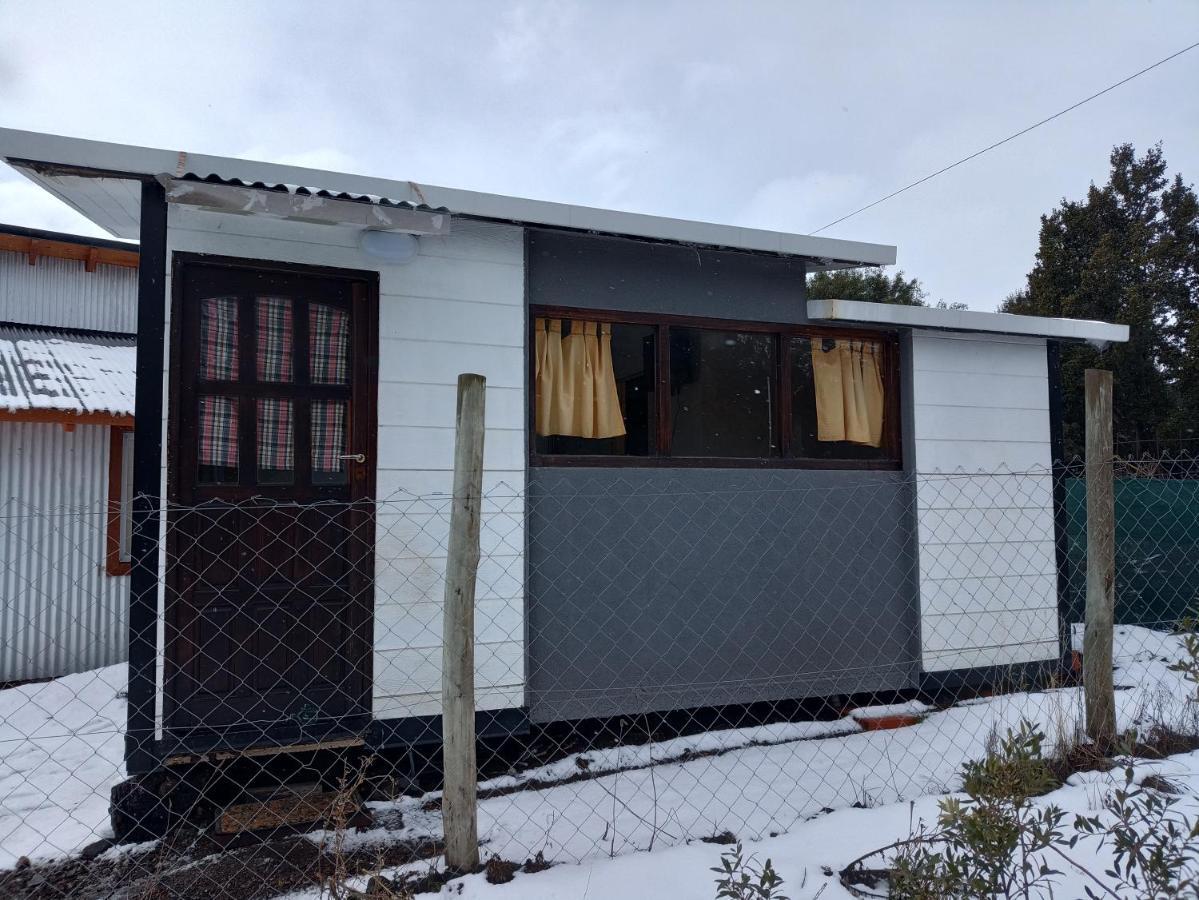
(1010, 137)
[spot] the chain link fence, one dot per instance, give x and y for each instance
(716, 657)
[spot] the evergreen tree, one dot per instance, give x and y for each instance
(872, 285)
(1127, 254)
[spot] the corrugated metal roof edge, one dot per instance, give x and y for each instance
(103, 406)
(309, 191)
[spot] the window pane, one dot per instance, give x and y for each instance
(217, 440)
(593, 381)
(723, 388)
(837, 399)
(328, 442)
(218, 339)
(274, 338)
(328, 344)
(276, 457)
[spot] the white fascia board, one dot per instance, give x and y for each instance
(965, 320)
(142, 161)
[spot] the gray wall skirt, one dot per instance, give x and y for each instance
(659, 589)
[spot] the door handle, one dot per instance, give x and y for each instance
(354, 457)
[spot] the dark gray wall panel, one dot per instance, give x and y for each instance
(593, 272)
(656, 589)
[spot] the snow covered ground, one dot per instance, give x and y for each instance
(804, 855)
(62, 746)
(61, 750)
(781, 776)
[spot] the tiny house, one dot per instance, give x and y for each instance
(68, 309)
(721, 492)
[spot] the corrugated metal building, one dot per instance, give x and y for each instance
(68, 310)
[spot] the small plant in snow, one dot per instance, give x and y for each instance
(990, 842)
(740, 878)
(1156, 851)
(1188, 630)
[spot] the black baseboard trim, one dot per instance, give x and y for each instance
(420, 731)
(943, 687)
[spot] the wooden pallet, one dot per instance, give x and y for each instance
(295, 807)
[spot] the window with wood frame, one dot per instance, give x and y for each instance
(623, 389)
(119, 536)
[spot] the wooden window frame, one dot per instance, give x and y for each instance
(113, 564)
(783, 332)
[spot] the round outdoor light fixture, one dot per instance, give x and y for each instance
(393, 246)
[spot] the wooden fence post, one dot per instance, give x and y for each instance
(1101, 563)
(458, 808)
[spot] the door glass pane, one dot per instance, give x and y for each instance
(328, 442)
(723, 393)
(218, 339)
(593, 382)
(838, 405)
(217, 441)
(274, 338)
(328, 344)
(276, 454)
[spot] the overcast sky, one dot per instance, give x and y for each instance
(777, 115)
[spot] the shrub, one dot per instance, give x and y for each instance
(990, 841)
(1154, 844)
(741, 879)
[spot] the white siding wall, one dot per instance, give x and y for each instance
(985, 500)
(62, 293)
(60, 612)
(458, 307)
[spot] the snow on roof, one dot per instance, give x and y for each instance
(62, 371)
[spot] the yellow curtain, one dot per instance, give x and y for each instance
(576, 394)
(577, 382)
(870, 361)
(849, 392)
(609, 422)
(830, 400)
(553, 404)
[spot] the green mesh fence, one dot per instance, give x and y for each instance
(1157, 549)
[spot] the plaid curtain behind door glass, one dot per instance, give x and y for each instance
(275, 435)
(218, 432)
(328, 344)
(274, 339)
(218, 339)
(328, 435)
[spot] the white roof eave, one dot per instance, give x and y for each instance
(138, 162)
(865, 312)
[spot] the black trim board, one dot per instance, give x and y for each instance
(140, 755)
(1057, 448)
(377, 734)
(940, 687)
(416, 731)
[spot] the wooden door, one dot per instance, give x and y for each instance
(270, 537)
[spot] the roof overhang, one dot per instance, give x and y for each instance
(101, 181)
(868, 313)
